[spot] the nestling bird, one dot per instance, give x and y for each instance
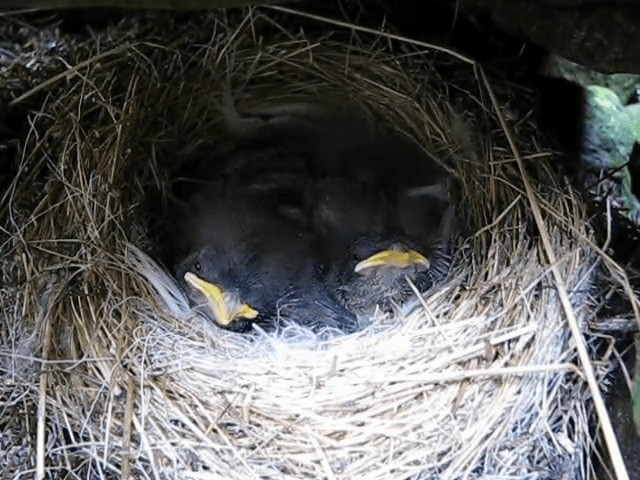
(241, 264)
(374, 248)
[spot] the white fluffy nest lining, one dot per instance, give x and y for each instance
(477, 380)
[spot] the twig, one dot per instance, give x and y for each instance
(43, 317)
(358, 28)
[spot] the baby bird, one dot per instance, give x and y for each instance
(374, 248)
(239, 263)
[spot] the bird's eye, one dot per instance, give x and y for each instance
(197, 267)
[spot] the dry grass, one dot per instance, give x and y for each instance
(480, 379)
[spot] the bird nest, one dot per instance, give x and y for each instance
(108, 373)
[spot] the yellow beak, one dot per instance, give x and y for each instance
(397, 256)
(226, 307)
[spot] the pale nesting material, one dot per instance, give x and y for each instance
(476, 380)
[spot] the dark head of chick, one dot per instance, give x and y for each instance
(224, 287)
(377, 250)
(382, 273)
